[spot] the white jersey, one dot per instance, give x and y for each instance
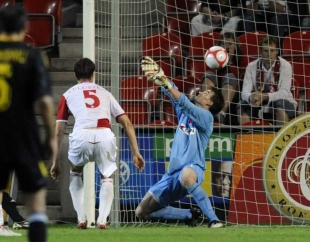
(90, 104)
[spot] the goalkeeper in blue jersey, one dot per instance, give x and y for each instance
(187, 159)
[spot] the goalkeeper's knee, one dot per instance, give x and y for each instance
(140, 213)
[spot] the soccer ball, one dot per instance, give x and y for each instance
(216, 57)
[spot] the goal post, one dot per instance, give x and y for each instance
(89, 52)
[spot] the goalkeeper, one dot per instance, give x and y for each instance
(187, 159)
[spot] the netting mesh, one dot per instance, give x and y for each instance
(240, 157)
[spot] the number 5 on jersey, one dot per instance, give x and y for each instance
(91, 100)
(5, 88)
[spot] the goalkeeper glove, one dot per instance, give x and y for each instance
(154, 73)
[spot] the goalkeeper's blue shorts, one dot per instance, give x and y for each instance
(169, 189)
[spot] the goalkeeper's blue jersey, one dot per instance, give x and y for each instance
(195, 126)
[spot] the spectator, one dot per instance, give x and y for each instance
(276, 14)
(267, 86)
(217, 14)
(227, 79)
(304, 13)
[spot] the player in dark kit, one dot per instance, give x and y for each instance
(24, 81)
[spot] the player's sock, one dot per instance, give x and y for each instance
(1, 216)
(77, 194)
(202, 201)
(171, 213)
(37, 227)
(106, 198)
(9, 206)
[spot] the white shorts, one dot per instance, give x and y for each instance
(94, 145)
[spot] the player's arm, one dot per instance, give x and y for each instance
(200, 116)
(59, 134)
(168, 94)
(62, 118)
(156, 75)
(132, 139)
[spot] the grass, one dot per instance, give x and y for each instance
(69, 233)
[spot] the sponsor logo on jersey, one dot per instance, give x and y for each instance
(286, 170)
(187, 131)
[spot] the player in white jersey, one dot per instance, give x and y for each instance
(92, 139)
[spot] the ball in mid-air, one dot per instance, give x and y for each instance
(216, 57)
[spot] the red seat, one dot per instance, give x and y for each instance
(137, 98)
(182, 6)
(44, 19)
(201, 43)
(53, 7)
(301, 68)
(196, 67)
(295, 89)
(186, 83)
(168, 112)
(297, 43)
(41, 29)
(6, 2)
(29, 40)
(179, 24)
(257, 122)
(165, 49)
(306, 103)
(249, 42)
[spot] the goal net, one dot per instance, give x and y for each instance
(258, 171)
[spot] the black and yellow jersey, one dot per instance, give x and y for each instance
(24, 78)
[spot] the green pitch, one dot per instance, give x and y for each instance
(68, 233)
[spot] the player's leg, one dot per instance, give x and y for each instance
(154, 203)
(191, 178)
(35, 203)
(32, 175)
(246, 112)
(106, 196)
(105, 150)
(4, 176)
(79, 154)
(9, 206)
(148, 205)
(1, 211)
(283, 111)
(76, 189)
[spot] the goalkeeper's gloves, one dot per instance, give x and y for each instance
(154, 73)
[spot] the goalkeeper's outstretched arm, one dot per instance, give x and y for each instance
(157, 76)
(174, 92)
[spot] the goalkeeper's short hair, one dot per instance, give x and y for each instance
(217, 99)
